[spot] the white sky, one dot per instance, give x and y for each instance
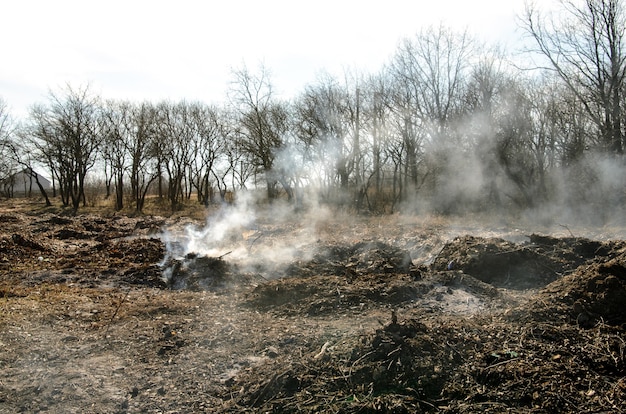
(186, 49)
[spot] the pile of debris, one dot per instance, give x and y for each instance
(204, 273)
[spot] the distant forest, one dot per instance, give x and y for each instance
(448, 125)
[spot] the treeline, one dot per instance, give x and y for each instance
(447, 124)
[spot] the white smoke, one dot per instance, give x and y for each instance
(221, 231)
(256, 236)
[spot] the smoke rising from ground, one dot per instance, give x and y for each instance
(258, 237)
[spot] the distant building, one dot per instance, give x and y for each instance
(23, 184)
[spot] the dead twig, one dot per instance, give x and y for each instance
(356, 362)
(440, 251)
(567, 228)
(455, 350)
(322, 351)
(266, 388)
(225, 254)
(119, 305)
(501, 363)
(426, 402)
(254, 241)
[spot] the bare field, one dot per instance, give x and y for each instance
(117, 314)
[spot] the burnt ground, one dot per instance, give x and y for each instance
(104, 314)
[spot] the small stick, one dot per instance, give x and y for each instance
(322, 351)
(356, 362)
(225, 254)
(570, 232)
(255, 239)
(119, 305)
(501, 363)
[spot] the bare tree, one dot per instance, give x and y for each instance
(573, 133)
(7, 163)
(15, 153)
(485, 107)
(239, 164)
(514, 141)
(65, 135)
(378, 112)
(584, 45)
(264, 122)
(433, 67)
(142, 149)
(176, 134)
(358, 162)
(322, 119)
(115, 129)
(211, 133)
(428, 73)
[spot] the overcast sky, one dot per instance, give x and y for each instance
(186, 49)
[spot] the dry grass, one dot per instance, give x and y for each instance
(154, 206)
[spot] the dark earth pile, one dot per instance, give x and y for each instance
(520, 266)
(593, 294)
(90, 323)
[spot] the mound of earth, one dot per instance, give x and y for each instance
(429, 364)
(449, 292)
(592, 294)
(204, 273)
(351, 260)
(520, 266)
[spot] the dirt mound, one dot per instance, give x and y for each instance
(402, 355)
(327, 295)
(199, 273)
(592, 294)
(429, 364)
(372, 257)
(389, 371)
(363, 259)
(519, 266)
(135, 250)
(448, 292)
